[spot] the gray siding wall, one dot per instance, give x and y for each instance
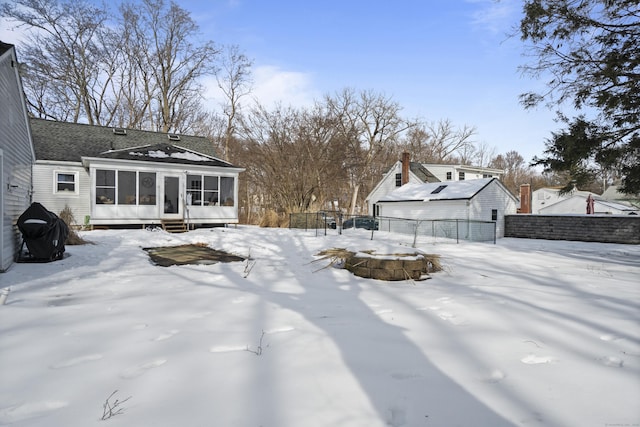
(17, 158)
(446, 209)
(44, 189)
(587, 228)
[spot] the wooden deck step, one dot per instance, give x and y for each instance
(174, 225)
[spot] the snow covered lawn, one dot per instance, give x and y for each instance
(522, 333)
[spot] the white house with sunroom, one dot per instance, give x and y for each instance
(111, 176)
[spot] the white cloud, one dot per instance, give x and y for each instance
(496, 16)
(275, 85)
(272, 85)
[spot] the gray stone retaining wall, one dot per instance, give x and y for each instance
(586, 228)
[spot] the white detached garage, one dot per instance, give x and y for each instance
(473, 200)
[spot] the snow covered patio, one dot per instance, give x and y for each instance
(521, 333)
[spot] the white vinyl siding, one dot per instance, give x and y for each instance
(46, 192)
(123, 212)
(493, 196)
(477, 207)
(16, 158)
(387, 185)
(445, 209)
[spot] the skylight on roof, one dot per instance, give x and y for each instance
(119, 131)
(439, 189)
(173, 137)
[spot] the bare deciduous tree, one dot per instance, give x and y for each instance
(440, 142)
(370, 123)
(291, 157)
(447, 140)
(234, 80)
(143, 73)
(170, 61)
(68, 73)
(516, 171)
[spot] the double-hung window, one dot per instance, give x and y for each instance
(66, 182)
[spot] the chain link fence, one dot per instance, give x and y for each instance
(440, 230)
(414, 230)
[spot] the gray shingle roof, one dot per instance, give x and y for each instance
(163, 153)
(61, 141)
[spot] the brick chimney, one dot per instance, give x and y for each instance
(405, 167)
(525, 199)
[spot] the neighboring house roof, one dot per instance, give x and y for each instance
(549, 200)
(617, 206)
(163, 153)
(423, 174)
(577, 204)
(558, 191)
(478, 169)
(612, 193)
(61, 141)
(452, 190)
(4, 47)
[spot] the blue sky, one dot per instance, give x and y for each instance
(439, 59)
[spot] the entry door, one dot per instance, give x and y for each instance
(171, 207)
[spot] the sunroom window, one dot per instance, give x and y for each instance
(105, 187)
(125, 187)
(210, 190)
(226, 191)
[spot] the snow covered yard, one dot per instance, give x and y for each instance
(522, 333)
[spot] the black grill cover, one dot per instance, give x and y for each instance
(43, 232)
